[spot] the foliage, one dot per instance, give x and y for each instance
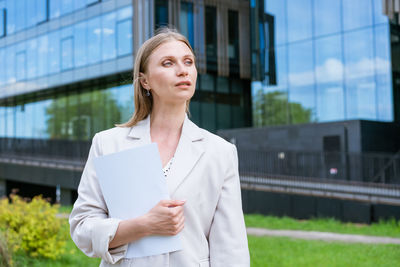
(73, 257)
(77, 117)
(274, 108)
(32, 227)
(5, 257)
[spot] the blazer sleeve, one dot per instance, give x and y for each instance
(91, 228)
(228, 238)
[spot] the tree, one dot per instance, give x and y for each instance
(79, 116)
(273, 108)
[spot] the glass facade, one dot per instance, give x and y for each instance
(24, 14)
(161, 13)
(186, 25)
(2, 18)
(75, 112)
(211, 37)
(78, 110)
(98, 39)
(331, 60)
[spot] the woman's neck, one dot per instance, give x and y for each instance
(167, 119)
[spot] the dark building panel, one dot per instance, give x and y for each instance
(385, 212)
(303, 207)
(356, 212)
(329, 208)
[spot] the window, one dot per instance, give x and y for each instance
(10, 121)
(91, 2)
(94, 40)
(211, 38)
(2, 19)
(55, 8)
(2, 121)
(233, 44)
(299, 17)
(124, 37)
(2, 67)
(20, 15)
(186, 21)
(10, 63)
(54, 52)
(359, 73)
(67, 61)
(361, 18)
(161, 10)
(41, 10)
(10, 17)
(31, 56)
(329, 78)
(383, 73)
(80, 44)
(327, 15)
(43, 54)
(301, 80)
(20, 65)
(109, 40)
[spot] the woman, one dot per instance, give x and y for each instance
(201, 171)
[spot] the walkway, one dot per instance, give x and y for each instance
(325, 236)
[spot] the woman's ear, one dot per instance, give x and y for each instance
(143, 81)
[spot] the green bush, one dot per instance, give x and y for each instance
(5, 257)
(32, 227)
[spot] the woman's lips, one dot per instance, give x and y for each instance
(183, 84)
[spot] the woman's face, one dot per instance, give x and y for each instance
(171, 73)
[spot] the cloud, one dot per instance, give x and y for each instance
(332, 70)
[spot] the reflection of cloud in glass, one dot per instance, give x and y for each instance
(106, 31)
(332, 70)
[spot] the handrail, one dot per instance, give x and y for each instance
(384, 168)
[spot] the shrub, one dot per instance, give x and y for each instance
(5, 258)
(32, 227)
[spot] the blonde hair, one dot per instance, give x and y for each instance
(144, 103)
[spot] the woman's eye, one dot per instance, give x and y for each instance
(188, 62)
(167, 63)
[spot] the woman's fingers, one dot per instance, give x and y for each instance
(171, 202)
(167, 217)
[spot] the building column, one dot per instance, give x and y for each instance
(3, 189)
(65, 197)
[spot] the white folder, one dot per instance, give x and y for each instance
(132, 182)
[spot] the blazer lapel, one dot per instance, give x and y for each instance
(188, 152)
(140, 133)
(190, 149)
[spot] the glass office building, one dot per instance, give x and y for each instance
(320, 61)
(67, 66)
(66, 74)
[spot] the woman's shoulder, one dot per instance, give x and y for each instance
(215, 141)
(114, 133)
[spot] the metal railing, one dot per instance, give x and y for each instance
(363, 167)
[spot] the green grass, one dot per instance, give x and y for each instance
(73, 257)
(279, 251)
(282, 251)
(65, 209)
(389, 228)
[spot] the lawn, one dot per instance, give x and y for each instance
(281, 251)
(390, 228)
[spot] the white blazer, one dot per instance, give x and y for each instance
(205, 173)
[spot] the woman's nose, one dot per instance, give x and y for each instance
(182, 70)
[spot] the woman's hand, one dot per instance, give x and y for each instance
(166, 218)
